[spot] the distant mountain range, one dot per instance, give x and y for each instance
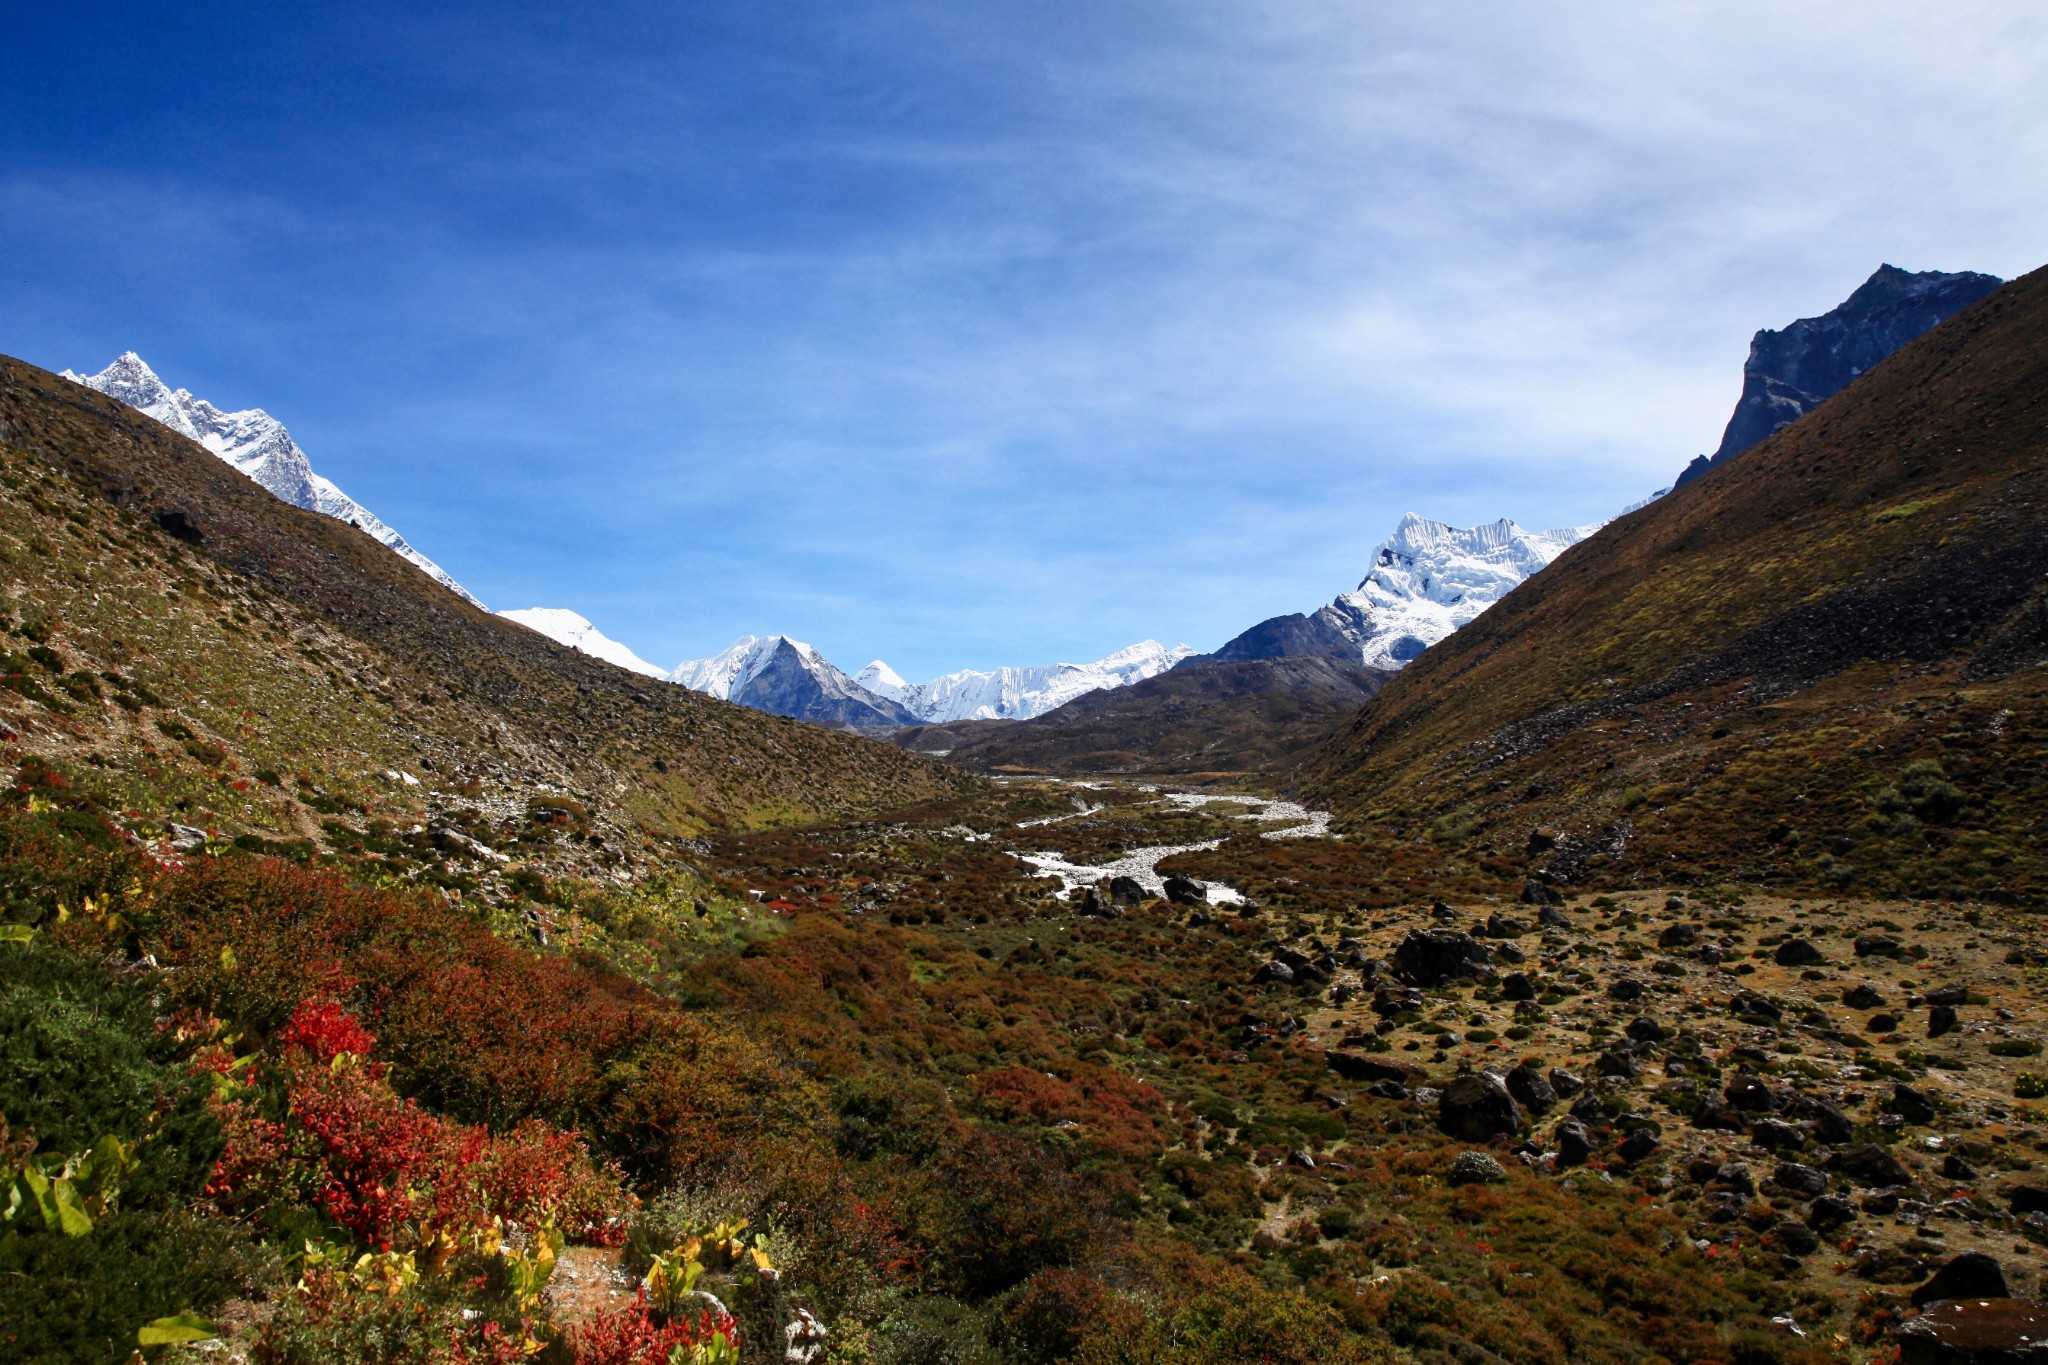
(1019, 693)
(1789, 373)
(1425, 581)
(258, 445)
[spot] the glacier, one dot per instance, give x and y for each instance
(1017, 693)
(258, 445)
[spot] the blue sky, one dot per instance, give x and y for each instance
(969, 334)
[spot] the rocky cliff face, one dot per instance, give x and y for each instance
(1791, 372)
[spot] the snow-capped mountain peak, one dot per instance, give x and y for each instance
(1018, 693)
(883, 681)
(255, 443)
(788, 677)
(568, 628)
(1429, 578)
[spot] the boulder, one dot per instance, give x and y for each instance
(1940, 1020)
(1274, 974)
(1644, 1029)
(1871, 1164)
(1477, 1108)
(1566, 1083)
(1749, 1002)
(1829, 1212)
(2028, 1199)
(1876, 945)
(1503, 926)
(1734, 1175)
(1637, 1145)
(1798, 952)
(1358, 1066)
(1616, 1061)
(1793, 1237)
(1830, 1124)
(1863, 997)
(1391, 1000)
(1186, 891)
(1802, 1180)
(1947, 995)
(1536, 893)
(1976, 1332)
(1748, 1093)
(1554, 918)
(1972, 1275)
(1517, 986)
(1776, 1135)
(1624, 988)
(1430, 957)
(1574, 1140)
(1678, 936)
(1882, 1024)
(1126, 890)
(1911, 1104)
(1530, 1090)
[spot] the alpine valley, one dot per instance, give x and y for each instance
(1616, 944)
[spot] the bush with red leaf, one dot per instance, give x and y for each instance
(636, 1335)
(325, 1030)
(384, 1168)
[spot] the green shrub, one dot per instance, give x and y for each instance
(80, 1056)
(81, 1299)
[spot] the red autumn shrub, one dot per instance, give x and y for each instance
(386, 1169)
(634, 1336)
(326, 1030)
(472, 1025)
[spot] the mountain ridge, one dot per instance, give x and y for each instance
(259, 446)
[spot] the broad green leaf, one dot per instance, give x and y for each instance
(71, 1214)
(16, 933)
(172, 1330)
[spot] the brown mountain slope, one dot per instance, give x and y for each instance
(293, 644)
(1234, 717)
(1818, 663)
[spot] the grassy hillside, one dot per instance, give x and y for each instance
(1224, 719)
(182, 639)
(1818, 664)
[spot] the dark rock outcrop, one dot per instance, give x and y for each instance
(1791, 372)
(1971, 1275)
(1477, 1108)
(1430, 957)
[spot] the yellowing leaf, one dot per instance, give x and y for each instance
(177, 1328)
(16, 933)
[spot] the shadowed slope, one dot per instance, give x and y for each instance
(1735, 678)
